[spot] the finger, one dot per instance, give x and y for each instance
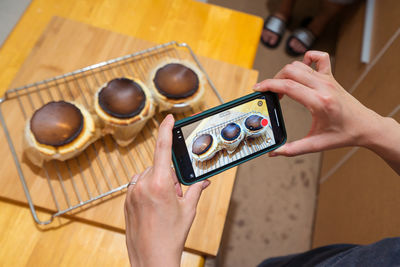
(302, 66)
(145, 172)
(294, 90)
(308, 144)
(193, 193)
(299, 74)
(321, 60)
(177, 184)
(134, 179)
(138, 177)
(162, 153)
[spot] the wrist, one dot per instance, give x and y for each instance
(383, 141)
(374, 132)
(155, 260)
(366, 128)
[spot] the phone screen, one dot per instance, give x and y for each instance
(223, 139)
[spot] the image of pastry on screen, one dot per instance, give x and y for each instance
(228, 136)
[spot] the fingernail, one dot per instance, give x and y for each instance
(170, 117)
(257, 86)
(276, 152)
(205, 184)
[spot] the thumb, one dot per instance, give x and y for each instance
(194, 191)
(302, 146)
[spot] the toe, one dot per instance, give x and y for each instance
(292, 44)
(302, 48)
(273, 39)
(297, 46)
(265, 35)
(269, 37)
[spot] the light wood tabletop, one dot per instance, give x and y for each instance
(211, 31)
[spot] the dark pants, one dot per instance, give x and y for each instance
(383, 253)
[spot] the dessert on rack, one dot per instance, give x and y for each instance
(58, 130)
(204, 147)
(177, 85)
(255, 125)
(231, 136)
(123, 105)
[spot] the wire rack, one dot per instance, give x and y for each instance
(104, 168)
(222, 158)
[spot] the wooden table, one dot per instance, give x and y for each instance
(57, 247)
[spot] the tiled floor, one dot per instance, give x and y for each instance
(272, 207)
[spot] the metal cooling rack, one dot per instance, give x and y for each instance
(73, 184)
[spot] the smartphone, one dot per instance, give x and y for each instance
(225, 136)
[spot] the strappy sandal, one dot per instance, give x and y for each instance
(275, 25)
(304, 36)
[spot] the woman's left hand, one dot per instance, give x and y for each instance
(157, 214)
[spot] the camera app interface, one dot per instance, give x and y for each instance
(228, 136)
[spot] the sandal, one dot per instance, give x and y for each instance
(304, 36)
(274, 25)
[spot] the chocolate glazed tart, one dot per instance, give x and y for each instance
(177, 85)
(255, 125)
(58, 130)
(123, 106)
(231, 136)
(204, 147)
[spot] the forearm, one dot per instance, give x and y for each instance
(156, 260)
(383, 138)
(154, 252)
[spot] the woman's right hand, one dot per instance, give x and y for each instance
(338, 119)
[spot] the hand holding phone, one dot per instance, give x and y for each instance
(338, 119)
(156, 210)
(225, 136)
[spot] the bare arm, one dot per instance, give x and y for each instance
(383, 138)
(338, 119)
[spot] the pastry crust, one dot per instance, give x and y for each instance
(39, 153)
(125, 130)
(176, 105)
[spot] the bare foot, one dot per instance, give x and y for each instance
(297, 46)
(316, 26)
(328, 11)
(270, 37)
